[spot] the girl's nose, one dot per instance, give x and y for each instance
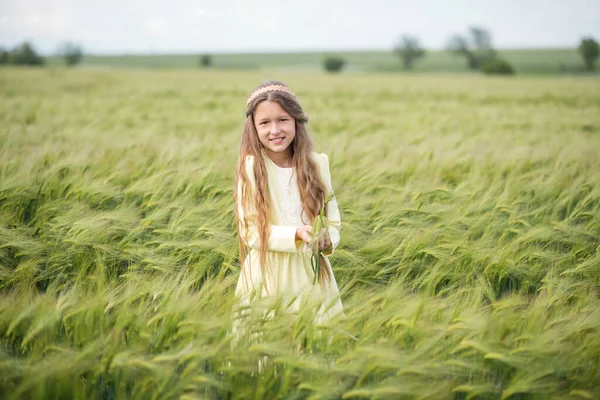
(275, 128)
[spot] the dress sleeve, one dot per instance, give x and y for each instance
(333, 211)
(281, 238)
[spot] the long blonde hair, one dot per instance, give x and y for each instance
(312, 189)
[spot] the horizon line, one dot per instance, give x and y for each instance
(276, 51)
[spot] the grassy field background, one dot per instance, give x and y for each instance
(469, 263)
(527, 61)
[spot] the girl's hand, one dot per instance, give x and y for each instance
(303, 233)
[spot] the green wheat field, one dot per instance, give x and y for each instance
(469, 265)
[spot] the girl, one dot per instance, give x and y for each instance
(281, 187)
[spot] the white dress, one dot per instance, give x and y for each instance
(290, 204)
(289, 274)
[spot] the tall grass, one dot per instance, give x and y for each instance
(469, 262)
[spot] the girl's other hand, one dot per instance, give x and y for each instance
(303, 233)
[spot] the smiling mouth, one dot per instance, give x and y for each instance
(277, 140)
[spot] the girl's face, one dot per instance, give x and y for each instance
(276, 128)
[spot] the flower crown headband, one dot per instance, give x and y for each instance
(279, 88)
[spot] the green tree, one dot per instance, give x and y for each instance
(25, 54)
(4, 56)
(476, 48)
(496, 66)
(71, 52)
(333, 63)
(205, 60)
(409, 50)
(590, 50)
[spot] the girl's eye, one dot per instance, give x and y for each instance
(263, 123)
(283, 119)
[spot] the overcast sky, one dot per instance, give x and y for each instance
(154, 26)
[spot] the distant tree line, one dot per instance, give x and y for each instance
(25, 54)
(476, 48)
